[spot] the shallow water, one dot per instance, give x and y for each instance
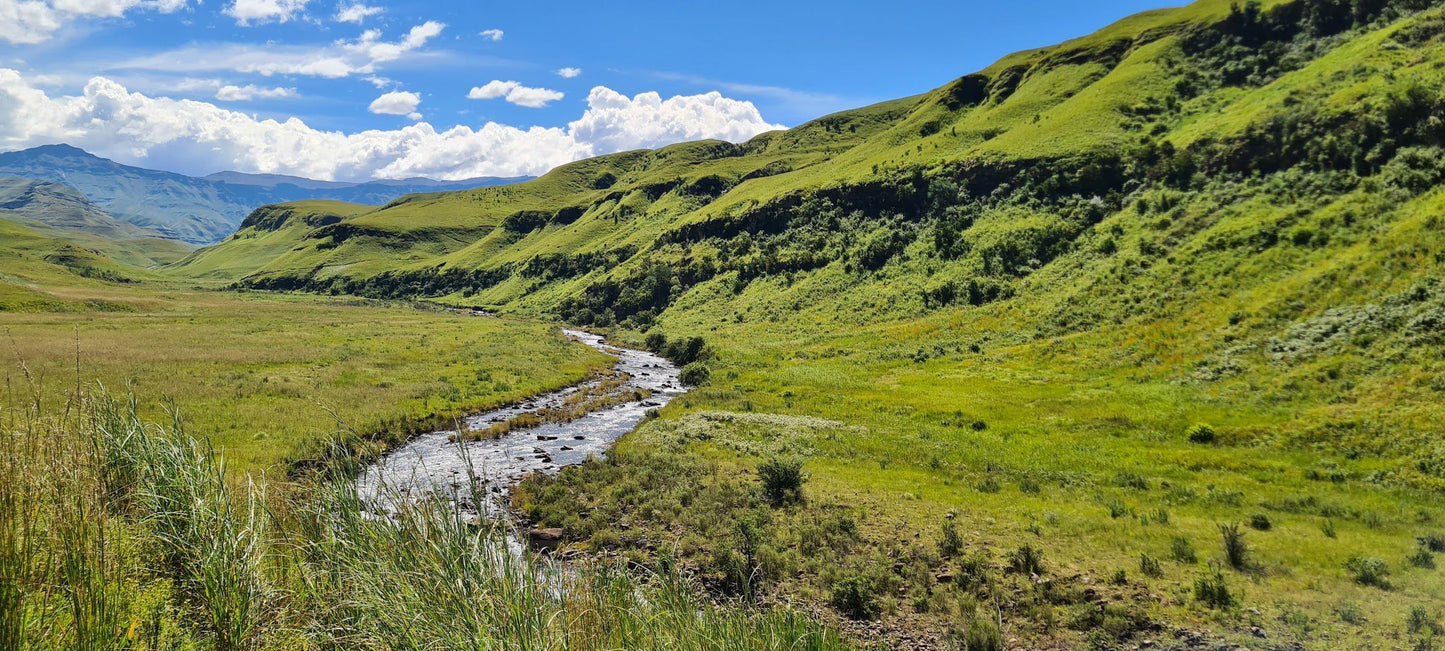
(434, 464)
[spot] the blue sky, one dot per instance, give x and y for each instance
(354, 90)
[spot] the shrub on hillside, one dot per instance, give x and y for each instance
(1027, 560)
(1182, 550)
(1366, 570)
(695, 374)
(950, 542)
(1149, 566)
(855, 596)
(684, 351)
(1211, 589)
(782, 480)
(1236, 551)
(983, 635)
(1419, 620)
(1201, 433)
(1422, 558)
(1415, 169)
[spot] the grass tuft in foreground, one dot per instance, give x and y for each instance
(116, 533)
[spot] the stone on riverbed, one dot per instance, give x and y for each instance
(547, 538)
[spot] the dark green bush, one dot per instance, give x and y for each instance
(950, 543)
(1182, 550)
(1420, 621)
(782, 480)
(983, 635)
(1027, 560)
(1210, 588)
(1422, 558)
(1260, 522)
(1201, 433)
(684, 351)
(1366, 570)
(855, 596)
(1236, 551)
(1149, 566)
(695, 374)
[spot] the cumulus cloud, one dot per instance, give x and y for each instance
(492, 34)
(569, 73)
(339, 59)
(249, 12)
(356, 13)
(515, 93)
(397, 102)
(231, 93)
(187, 135)
(26, 22)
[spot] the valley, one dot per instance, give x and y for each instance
(1134, 341)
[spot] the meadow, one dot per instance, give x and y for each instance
(176, 473)
(118, 533)
(1133, 340)
(267, 378)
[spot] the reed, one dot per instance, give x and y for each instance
(114, 529)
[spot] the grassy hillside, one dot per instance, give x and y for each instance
(63, 212)
(1131, 338)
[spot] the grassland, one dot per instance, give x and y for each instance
(116, 533)
(1132, 339)
(266, 378)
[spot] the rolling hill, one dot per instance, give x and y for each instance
(62, 212)
(1136, 335)
(190, 209)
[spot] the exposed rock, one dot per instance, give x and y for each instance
(547, 538)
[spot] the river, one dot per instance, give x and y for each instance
(442, 463)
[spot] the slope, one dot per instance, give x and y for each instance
(60, 211)
(1132, 337)
(190, 209)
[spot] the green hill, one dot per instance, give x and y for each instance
(1042, 336)
(63, 212)
(194, 209)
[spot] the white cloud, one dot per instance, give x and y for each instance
(492, 34)
(397, 102)
(569, 73)
(339, 59)
(199, 137)
(248, 12)
(356, 13)
(26, 22)
(615, 122)
(515, 93)
(230, 93)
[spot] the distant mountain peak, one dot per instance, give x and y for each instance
(61, 149)
(195, 209)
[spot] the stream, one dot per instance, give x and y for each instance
(443, 463)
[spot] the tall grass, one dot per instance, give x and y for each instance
(102, 513)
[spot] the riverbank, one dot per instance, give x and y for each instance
(447, 461)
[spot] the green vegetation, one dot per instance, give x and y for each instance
(116, 533)
(1174, 290)
(266, 378)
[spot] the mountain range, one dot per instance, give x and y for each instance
(64, 213)
(197, 210)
